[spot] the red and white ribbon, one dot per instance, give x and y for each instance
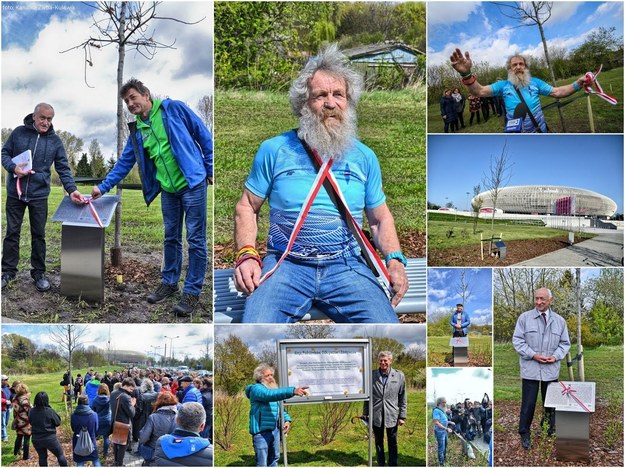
(570, 391)
(592, 78)
(324, 172)
(94, 213)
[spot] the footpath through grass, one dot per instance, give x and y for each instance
(350, 448)
(607, 118)
(480, 351)
(391, 123)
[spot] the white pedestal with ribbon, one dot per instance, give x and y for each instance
(574, 402)
(460, 348)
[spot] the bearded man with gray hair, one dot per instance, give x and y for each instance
(522, 115)
(311, 238)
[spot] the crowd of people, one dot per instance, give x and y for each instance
(453, 104)
(163, 417)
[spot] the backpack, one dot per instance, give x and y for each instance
(84, 444)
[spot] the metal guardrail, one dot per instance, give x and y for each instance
(229, 302)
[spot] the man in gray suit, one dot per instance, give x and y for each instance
(542, 340)
(389, 406)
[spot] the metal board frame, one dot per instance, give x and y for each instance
(359, 343)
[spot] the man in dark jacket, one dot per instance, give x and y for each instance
(122, 410)
(185, 447)
(390, 405)
(174, 152)
(29, 188)
(207, 402)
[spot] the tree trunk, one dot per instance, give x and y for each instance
(116, 251)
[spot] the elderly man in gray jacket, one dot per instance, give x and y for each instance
(389, 406)
(542, 340)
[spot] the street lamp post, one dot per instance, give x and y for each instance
(171, 343)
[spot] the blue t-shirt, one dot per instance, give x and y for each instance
(283, 173)
(531, 95)
(442, 418)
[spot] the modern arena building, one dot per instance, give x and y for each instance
(548, 200)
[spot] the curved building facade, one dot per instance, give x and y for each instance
(549, 199)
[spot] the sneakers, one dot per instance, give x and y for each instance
(6, 279)
(163, 292)
(187, 305)
(41, 283)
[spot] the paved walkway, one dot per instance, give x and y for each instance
(604, 250)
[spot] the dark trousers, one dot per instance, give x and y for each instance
(42, 447)
(460, 119)
(22, 442)
(38, 215)
(529, 395)
(391, 435)
(118, 452)
(473, 114)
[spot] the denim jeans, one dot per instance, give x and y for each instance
(146, 452)
(342, 287)
(6, 415)
(188, 206)
(441, 441)
(267, 447)
(95, 463)
(105, 445)
(38, 216)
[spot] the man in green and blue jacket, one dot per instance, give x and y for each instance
(264, 396)
(174, 152)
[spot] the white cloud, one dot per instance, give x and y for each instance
(450, 12)
(457, 384)
(41, 73)
(606, 9)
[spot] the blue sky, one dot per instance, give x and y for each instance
(443, 294)
(131, 337)
(456, 163)
(259, 336)
(482, 29)
(34, 70)
(457, 384)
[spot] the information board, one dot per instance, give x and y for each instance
(85, 215)
(334, 370)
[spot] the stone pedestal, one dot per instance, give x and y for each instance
(82, 247)
(460, 348)
(574, 402)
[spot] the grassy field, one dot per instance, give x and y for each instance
(480, 351)
(607, 118)
(350, 448)
(439, 226)
(455, 450)
(48, 383)
(391, 123)
(603, 365)
(142, 246)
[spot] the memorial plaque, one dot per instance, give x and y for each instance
(574, 402)
(571, 396)
(459, 342)
(83, 215)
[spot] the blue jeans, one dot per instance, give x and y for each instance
(188, 205)
(342, 287)
(441, 441)
(105, 446)
(267, 447)
(6, 415)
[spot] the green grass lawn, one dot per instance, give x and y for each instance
(350, 448)
(49, 383)
(440, 225)
(480, 351)
(391, 123)
(603, 365)
(607, 118)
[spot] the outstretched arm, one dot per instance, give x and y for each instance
(462, 64)
(567, 90)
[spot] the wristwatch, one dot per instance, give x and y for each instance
(396, 256)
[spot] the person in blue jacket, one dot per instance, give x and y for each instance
(441, 428)
(189, 391)
(84, 417)
(459, 321)
(174, 152)
(264, 396)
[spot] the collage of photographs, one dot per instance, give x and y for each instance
(312, 233)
